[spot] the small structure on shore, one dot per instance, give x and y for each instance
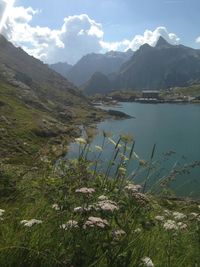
(150, 94)
(150, 97)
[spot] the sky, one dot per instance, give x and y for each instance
(66, 30)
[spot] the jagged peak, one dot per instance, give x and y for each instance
(162, 42)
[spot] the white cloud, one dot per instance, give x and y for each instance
(80, 35)
(198, 40)
(77, 36)
(149, 37)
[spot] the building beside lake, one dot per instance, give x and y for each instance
(150, 94)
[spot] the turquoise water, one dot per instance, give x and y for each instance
(172, 127)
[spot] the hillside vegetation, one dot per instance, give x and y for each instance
(37, 106)
(71, 214)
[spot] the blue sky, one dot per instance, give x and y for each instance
(118, 20)
(124, 18)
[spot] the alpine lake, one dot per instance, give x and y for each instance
(174, 128)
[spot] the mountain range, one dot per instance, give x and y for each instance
(89, 64)
(150, 68)
(61, 68)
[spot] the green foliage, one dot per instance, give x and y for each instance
(87, 219)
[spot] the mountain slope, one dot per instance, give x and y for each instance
(37, 105)
(107, 63)
(97, 84)
(160, 67)
(61, 68)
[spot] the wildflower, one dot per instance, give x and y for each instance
(85, 190)
(123, 157)
(160, 218)
(95, 222)
(30, 223)
(102, 197)
(179, 216)
(167, 212)
(136, 156)
(133, 188)
(107, 205)
(140, 198)
(118, 233)
(142, 162)
(55, 207)
(170, 225)
(80, 141)
(84, 209)
(181, 225)
(122, 171)
(114, 143)
(1, 212)
(99, 148)
(138, 230)
(147, 262)
(69, 225)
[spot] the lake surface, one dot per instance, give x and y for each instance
(174, 128)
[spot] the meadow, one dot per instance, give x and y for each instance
(69, 213)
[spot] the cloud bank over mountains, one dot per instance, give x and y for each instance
(77, 36)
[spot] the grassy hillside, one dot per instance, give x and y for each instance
(38, 107)
(72, 215)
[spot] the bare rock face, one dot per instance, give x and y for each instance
(160, 67)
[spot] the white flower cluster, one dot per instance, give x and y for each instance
(99, 148)
(84, 209)
(30, 223)
(122, 170)
(147, 262)
(114, 143)
(133, 188)
(159, 218)
(102, 197)
(95, 222)
(196, 216)
(81, 141)
(118, 233)
(138, 230)
(173, 225)
(104, 204)
(140, 198)
(1, 214)
(107, 205)
(85, 190)
(69, 225)
(56, 207)
(179, 216)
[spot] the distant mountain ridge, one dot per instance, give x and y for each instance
(89, 64)
(99, 83)
(159, 67)
(61, 68)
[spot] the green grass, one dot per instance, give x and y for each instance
(31, 194)
(24, 125)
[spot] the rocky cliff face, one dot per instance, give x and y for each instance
(160, 67)
(107, 63)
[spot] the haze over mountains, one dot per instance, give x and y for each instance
(82, 71)
(149, 68)
(61, 67)
(160, 67)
